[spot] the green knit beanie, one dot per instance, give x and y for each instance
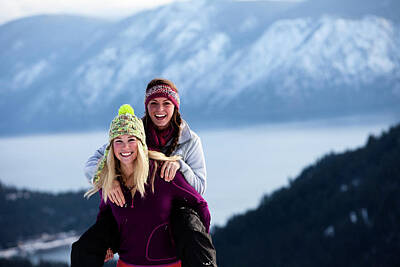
(125, 123)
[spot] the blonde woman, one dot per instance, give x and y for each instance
(142, 224)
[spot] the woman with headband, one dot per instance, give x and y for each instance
(167, 132)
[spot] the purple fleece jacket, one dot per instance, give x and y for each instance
(145, 237)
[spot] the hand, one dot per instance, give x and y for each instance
(168, 170)
(109, 255)
(115, 195)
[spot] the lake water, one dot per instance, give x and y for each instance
(242, 164)
(59, 254)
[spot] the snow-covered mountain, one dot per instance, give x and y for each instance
(230, 60)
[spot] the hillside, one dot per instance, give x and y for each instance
(21, 262)
(28, 214)
(261, 60)
(344, 210)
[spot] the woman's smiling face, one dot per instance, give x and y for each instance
(160, 110)
(125, 148)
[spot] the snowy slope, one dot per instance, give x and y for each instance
(266, 60)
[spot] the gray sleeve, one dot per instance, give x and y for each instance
(193, 166)
(91, 163)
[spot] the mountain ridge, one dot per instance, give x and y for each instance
(256, 59)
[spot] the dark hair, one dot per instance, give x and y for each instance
(161, 81)
(176, 119)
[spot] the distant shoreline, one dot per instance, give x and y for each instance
(44, 242)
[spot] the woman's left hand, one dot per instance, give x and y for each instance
(168, 170)
(109, 255)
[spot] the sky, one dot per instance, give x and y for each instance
(112, 9)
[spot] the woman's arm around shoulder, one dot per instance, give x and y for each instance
(91, 164)
(193, 166)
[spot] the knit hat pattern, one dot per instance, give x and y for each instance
(162, 90)
(126, 123)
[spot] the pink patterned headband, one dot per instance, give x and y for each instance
(162, 91)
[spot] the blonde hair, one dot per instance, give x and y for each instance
(140, 174)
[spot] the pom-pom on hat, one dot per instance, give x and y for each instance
(125, 123)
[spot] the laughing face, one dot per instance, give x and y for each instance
(125, 148)
(160, 110)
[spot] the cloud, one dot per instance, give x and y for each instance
(290, 1)
(9, 10)
(14, 9)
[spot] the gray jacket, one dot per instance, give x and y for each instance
(193, 166)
